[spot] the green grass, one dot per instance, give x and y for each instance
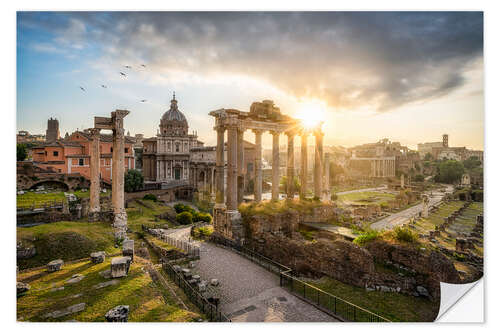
(147, 300)
(139, 214)
(65, 240)
(30, 199)
(364, 198)
(393, 306)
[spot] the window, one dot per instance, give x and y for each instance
(55, 153)
(177, 147)
(126, 150)
(80, 161)
(111, 149)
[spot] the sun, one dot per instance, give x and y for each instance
(311, 113)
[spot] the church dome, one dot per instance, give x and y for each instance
(173, 122)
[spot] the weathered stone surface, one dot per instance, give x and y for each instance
(422, 291)
(202, 286)
(106, 273)
(214, 282)
(25, 252)
(196, 277)
(128, 248)
(69, 310)
(176, 268)
(106, 284)
(75, 278)
(55, 265)
(98, 257)
(120, 266)
(118, 314)
(22, 288)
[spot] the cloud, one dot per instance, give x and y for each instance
(352, 60)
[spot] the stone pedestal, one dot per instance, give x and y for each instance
(128, 249)
(55, 265)
(97, 257)
(425, 206)
(120, 266)
(233, 218)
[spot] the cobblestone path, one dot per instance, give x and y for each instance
(247, 291)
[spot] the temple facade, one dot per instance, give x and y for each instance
(165, 158)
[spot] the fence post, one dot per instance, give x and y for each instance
(304, 289)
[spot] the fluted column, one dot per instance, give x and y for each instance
(118, 195)
(257, 183)
(240, 164)
(290, 166)
(276, 166)
(219, 167)
(318, 164)
(303, 165)
(232, 172)
(95, 182)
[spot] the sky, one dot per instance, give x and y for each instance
(406, 76)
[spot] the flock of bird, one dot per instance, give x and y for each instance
(122, 74)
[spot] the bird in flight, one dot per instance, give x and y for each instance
(123, 74)
(143, 100)
(102, 85)
(83, 89)
(143, 65)
(127, 66)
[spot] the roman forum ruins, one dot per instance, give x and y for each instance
(115, 124)
(263, 117)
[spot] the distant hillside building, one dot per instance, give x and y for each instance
(26, 137)
(441, 150)
(52, 133)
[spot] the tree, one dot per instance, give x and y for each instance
(134, 180)
(22, 152)
(449, 171)
(428, 157)
(295, 184)
(472, 163)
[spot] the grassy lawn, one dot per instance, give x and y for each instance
(30, 199)
(147, 300)
(145, 212)
(65, 240)
(393, 306)
(365, 198)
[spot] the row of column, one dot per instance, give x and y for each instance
(235, 157)
(383, 168)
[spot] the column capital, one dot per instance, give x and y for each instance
(258, 131)
(120, 114)
(95, 132)
(219, 128)
(291, 133)
(319, 133)
(274, 133)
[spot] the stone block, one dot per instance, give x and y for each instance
(22, 288)
(176, 268)
(202, 286)
(128, 248)
(214, 282)
(55, 265)
(75, 278)
(98, 257)
(118, 314)
(120, 266)
(197, 278)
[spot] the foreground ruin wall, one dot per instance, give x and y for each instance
(405, 269)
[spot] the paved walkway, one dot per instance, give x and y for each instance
(402, 217)
(248, 292)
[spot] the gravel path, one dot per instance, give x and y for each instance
(247, 291)
(402, 217)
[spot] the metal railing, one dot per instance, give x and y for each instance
(209, 309)
(326, 302)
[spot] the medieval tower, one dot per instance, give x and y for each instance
(52, 133)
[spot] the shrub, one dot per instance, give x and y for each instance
(184, 218)
(334, 197)
(367, 237)
(151, 197)
(134, 180)
(179, 208)
(202, 217)
(405, 235)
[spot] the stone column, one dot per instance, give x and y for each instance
(303, 165)
(118, 195)
(232, 172)
(257, 180)
(276, 166)
(95, 181)
(290, 166)
(318, 164)
(240, 165)
(219, 168)
(402, 180)
(326, 178)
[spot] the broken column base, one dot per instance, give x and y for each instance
(120, 225)
(94, 216)
(235, 224)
